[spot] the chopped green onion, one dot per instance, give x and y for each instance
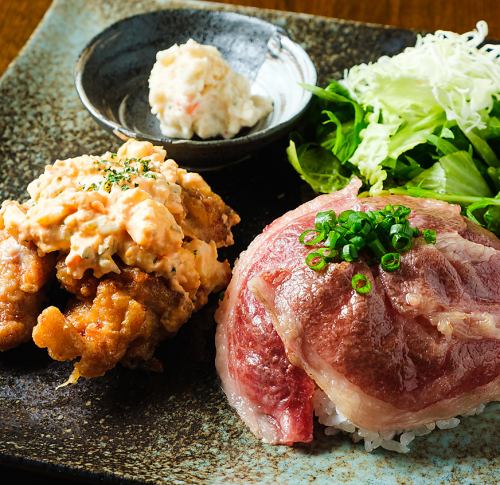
(325, 220)
(315, 261)
(334, 240)
(344, 216)
(365, 229)
(401, 212)
(371, 234)
(429, 235)
(396, 228)
(341, 230)
(313, 241)
(401, 242)
(328, 254)
(356, 226)
(358, 242)
(385, 225)
(390, 261)
(349, 253)
(377, 248)
(361, 283)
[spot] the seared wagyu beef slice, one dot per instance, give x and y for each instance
(422, 346)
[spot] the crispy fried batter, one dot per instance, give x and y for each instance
(23, 275)
(83, 288)
(133, 280)
(122, 319)
(207, 216)
(100, 332)
(170, 305)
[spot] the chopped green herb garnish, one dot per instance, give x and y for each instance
(349, 253)
(401, 242)
(91, 187)
(316, 237)
(325, 219)
(315, 261)
(429, 235)
(381, 235)
(120, 173)
(361, 283)
(390, 261)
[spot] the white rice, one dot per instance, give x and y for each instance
(397, 440)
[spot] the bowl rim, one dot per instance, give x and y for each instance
(122, 131)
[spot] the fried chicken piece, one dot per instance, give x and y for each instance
(99, 331)
(207, 216)
(23, 276)
(123, 320)
(83, 288)
(170, 305)
(87, 286)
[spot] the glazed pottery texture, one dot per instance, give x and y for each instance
(177, 427)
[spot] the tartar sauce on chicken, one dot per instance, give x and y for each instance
(193, 90)
(127, 204)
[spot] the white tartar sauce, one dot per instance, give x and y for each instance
(194, 91)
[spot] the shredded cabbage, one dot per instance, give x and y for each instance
(445, 76)
(444, 69)
(373, 149)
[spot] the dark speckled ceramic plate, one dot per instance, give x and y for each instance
(177, 427)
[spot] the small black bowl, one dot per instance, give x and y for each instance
(112, 74)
